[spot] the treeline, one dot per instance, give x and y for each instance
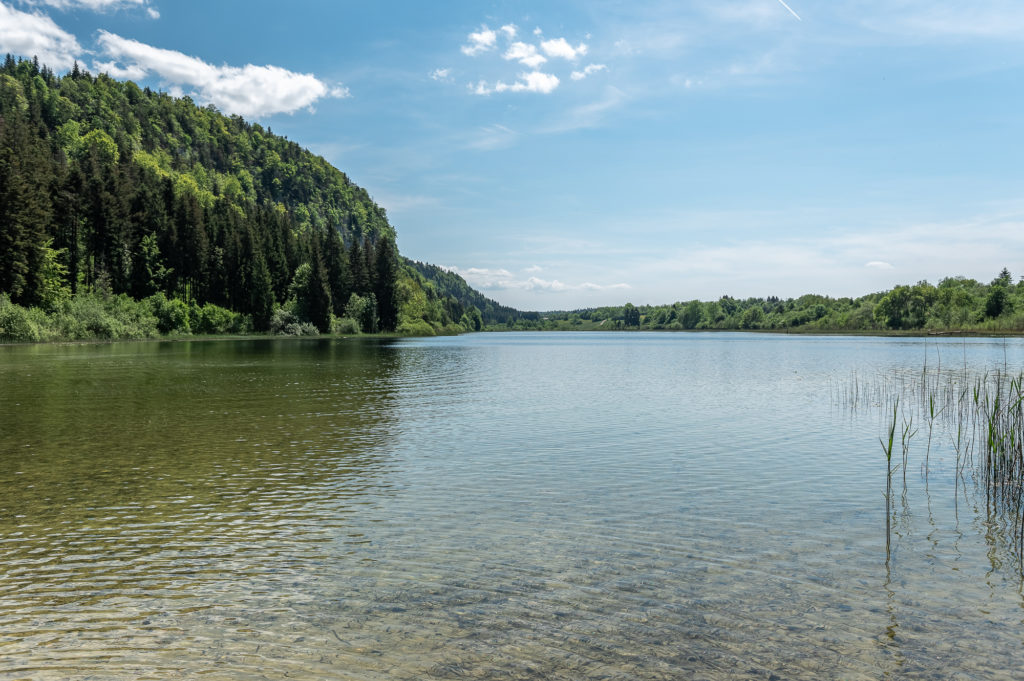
(454, 287)
(108, 189)
(955, 304)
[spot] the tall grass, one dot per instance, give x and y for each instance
(982, 414)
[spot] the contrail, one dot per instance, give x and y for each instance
(781, 2)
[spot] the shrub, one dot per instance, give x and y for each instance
(16, 324)
(344, 326)
(416, 327)
(171, 314)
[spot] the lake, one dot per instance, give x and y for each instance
(514, 506)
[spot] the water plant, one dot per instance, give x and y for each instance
(981, 412)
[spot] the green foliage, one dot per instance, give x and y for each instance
(416, 327)
(53, 289)
(285, 322)
(172, 315)
(363, 310)
(309, 290)
(344, 326)
(956, 304)
(472, 320)
(16, 323)
(630, 315)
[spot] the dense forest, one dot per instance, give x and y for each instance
(956, 304)
(126, 212)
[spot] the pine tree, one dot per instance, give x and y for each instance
(338, 275)
(385, 284)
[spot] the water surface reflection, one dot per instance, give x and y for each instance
(641, 506)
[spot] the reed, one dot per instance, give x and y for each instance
(983, 415)
(887, 448)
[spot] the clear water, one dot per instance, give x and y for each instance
(506, 506)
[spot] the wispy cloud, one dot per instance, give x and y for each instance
(443, 75)
(481, 41)
(31, 34)
(505, 280)
(247, 90)
(534, 81)
(98, 5)
(929, 19)
(492, 137)
(588, 70)
(589, 115)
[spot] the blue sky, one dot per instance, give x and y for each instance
(582, 153)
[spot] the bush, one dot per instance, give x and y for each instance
(416, 327)
(16, 323)
(300, 329)
(171, 315)
(282, 318)
(214, 319)
(344, 326)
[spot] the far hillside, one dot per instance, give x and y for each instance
(955, 304)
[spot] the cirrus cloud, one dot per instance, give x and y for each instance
(98, 5)
(588, 70)
(247, 90)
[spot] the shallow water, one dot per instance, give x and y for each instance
(524, 506)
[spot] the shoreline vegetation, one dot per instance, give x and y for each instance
(956, 307)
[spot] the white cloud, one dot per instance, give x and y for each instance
(441, 74)
(510, 30)
(504, 280)
(525, 54)
(588, 70)
(534, 269)
(879, 265)
(483, 40)
(247, 90)
(537, 31)
(36, 35)
(97, 5)
(535, 81)
(560, 47)
(130, 72)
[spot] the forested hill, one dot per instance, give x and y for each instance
(451, 285)
(110, 189)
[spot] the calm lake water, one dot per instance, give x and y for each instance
(493, 506)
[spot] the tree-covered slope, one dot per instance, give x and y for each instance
(450, 285)
(109, 188)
